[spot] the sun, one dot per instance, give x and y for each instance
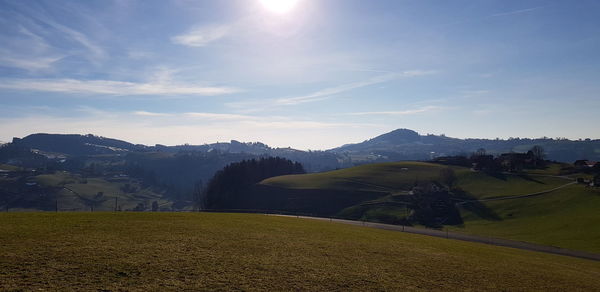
(279, 6)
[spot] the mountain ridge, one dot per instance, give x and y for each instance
(399, 144)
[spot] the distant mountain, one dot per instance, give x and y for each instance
(60, 145)
(173, 170)
(405, 144)
(72, 144)
(397, 145)
(176, 171)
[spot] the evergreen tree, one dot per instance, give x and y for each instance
(227, 186)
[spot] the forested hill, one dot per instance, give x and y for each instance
(72, 144)
(405, 144)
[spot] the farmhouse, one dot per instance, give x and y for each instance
(584, 164)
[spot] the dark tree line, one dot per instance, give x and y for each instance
(227, 187)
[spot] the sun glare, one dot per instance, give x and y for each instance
(279, 6)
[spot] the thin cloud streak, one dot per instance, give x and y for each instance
(109, 87)
(95, 53)
(517, 11)
(29, 64)
(218, 116)
(508, 13)
(201, 36)
(326, 93)
(399, 113)
(150, 114)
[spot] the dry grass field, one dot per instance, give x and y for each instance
(200, 251)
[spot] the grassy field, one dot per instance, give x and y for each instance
(484, 186)
(79, 191)
(402, 176)
(192, 251)
(568, 218)
(8, 167)
(395, 176)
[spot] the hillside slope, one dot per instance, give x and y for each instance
(567, 217)
(393, 177)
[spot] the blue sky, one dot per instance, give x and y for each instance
(324, 73)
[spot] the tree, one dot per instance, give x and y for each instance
(480, 152)
(226, 190)
(198, 195)
(448, 177)
(539, 154)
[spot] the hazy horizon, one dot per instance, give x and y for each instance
(300, 73)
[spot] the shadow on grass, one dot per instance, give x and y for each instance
(496, 174)
(529, 178)
(470, 203)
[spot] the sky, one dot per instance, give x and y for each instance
(309, 74)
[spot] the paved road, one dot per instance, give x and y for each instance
(464, 237)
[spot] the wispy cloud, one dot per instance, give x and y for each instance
(265, 122)
(399, 113)
(150, 114)
(500, 14)
(29, 64)
(328, 92)
(45, 30)
(96, 51)
(201, 36)
(27, 50)
(517, 11)
(110, 87)
(218, 116)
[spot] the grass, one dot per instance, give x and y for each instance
(9, 167)
(57, 179)
(402, 176)
(567, 218)
(393, 176)
(483, 186)
(191, 251)
(88, 188)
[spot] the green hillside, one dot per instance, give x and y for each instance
(385, 177)
(566, 217)
(72, 192)
(402, 176)
(484, 186)
(201, 251)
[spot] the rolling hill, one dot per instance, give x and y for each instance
(405, 144)
(177, 171)
(566, 217)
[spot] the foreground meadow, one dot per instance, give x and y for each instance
(199, 251)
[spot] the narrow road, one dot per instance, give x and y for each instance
(518, 196)
(463, 237)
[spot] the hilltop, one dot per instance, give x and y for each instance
(405, 144)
